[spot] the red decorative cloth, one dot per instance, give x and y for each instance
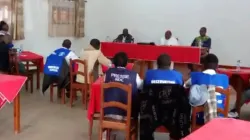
(30, 56)
(222, 129)
(183, 54)
(129, 66)
(94, 101)
(10, 86)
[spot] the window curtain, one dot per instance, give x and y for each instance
(80, 16)
(17, 20)
(11, 11)
(66, 18)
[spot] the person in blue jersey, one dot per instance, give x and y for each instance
(120, 74)
(54, 64)
(163, 74)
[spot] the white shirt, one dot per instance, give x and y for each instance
(71, 55)
(170, 42)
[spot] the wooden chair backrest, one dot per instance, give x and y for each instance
(224, 111)
(126, 107)
(74, 72)
(13, 62)
(226, 92)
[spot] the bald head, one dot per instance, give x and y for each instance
(168, 34)
(66, 43)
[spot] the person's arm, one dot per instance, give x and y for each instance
(174, 42)
(194, 42)
(139, 82)
(162, 41)
(119, 38)
(72, 55)
(207, 43)
(104, 60)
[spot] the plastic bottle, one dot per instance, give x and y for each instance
(238, 65)
(107, 39)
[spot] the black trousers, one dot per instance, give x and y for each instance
(174, 114)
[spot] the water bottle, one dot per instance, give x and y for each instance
(200, 43)
(238, 66)
(21, 48)
(107, 39)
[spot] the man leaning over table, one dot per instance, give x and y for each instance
(122, 75)
(95, 58)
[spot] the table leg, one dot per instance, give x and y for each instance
(142, 69)
(17, 114)
(150, 64)
(38, 78)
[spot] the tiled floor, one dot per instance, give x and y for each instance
(42, 120)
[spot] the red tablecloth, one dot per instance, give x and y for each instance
(129, 66)
(10, 86)
(222, 129)
(183, 54)
(94, 101)
(30, 56)
(243, 73)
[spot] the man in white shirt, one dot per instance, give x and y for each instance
(169, 40)
(71, 55)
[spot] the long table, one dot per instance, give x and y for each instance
(149, 53)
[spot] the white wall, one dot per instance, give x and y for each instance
(147, 20)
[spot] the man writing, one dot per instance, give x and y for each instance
(125, 37)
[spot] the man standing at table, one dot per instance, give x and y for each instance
(169, 40)
(125, 37)
(203, 41)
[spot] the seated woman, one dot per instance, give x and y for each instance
(4, 30)
(93, 54)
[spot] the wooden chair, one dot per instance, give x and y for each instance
(52, 93)
(14, 69)
(224, 111)
(128, 125)
(75, 86)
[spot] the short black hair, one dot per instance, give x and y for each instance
(211, 61)
(204, 28)
(95, 43)
(164, 61)
(120, 59)
(66, 43)
(2, 23)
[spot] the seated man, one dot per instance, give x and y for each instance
(94, 57)
(169, 40)
(163, 73)
(210, 65)
(162, 97)
(244, 99)
(122, 75)
(56, 68)
(4, 55)
(125, 37)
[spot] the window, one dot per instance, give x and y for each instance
(5, 11)
(63, 15)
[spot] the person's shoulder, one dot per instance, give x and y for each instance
(177, 73)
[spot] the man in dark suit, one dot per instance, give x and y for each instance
(125, 37)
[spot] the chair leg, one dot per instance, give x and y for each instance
(90, 128)
(71, 96)
(26, 85)
(31, 84)
(128, 136)
(100, 133)
(108, 134)
(63, 96)
(51, 93)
